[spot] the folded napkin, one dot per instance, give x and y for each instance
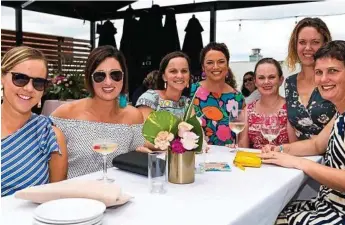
(247, 159)
(108, 193)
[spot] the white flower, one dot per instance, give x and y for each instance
(65, 79)
(59, 82)
(162, 140)
(70, 82)
(66, 85)
(189, 140)
(184, 127)
(305, 122)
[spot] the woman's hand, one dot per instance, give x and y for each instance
(143, 149)
(270, 148)
(281, 159)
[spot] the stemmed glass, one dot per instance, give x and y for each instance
(237, 120)
(104, 147)
(270, 127)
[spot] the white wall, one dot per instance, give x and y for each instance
(240, 68)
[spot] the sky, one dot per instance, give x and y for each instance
(267, 28)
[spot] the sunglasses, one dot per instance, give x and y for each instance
(99, 76)
(21, 79)
(248, 79)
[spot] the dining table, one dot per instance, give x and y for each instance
(236, 197)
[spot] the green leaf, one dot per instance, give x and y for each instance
(197, 129)
(159, 121)
(190, 108)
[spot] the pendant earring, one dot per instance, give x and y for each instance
(165, 85)
(39, 104)
(187, 85)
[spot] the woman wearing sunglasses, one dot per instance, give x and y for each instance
(173, 81)
(249, 90)
(103, 116)
(33, 152)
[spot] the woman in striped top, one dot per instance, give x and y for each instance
(329, 206)
(33, 152)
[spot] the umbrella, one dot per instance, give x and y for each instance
(192, 44)
(171, 40)
(106, 34)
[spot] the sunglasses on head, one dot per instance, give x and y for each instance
(99, 76)
(21, 79)
(248, 79)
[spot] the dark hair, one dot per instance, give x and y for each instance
(151, 79)
(221, 47)
(245, 92)
(96, 57)
(163, 65)
(270, 61)
(316, 23)
(333, 49)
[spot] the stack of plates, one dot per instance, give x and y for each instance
(71, 211)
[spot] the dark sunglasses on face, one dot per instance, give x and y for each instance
(21, 79)
(99, 76)
(248, 79)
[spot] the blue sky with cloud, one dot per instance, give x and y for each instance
(261, 27)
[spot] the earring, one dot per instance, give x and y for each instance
(187, 85)
(123, 101)
(39, 104)
(165, 85)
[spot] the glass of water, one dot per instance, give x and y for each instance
(157, 169)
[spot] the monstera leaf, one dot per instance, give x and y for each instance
(159, 121)
(197, 129)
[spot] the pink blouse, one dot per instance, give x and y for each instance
(256, 139)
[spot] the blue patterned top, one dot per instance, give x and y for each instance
(25, 155)
(152, 99)
(309, 120)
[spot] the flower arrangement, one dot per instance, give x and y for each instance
(166, 131)
(67, 87)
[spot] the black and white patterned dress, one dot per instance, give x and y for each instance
(81, 133)
(310, 120)
(328, 208)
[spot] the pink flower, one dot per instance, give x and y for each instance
(232, 107)
(184, 127)
(223, 132)
(202, 93)
(189, 140)
(177, 147)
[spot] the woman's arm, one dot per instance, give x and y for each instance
(291, 133)
(58, 164)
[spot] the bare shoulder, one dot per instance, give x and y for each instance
(69, 110)
(132, 115)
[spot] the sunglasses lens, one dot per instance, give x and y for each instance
(116, 75)
(98, 77)
(20, 80)
(39, 84)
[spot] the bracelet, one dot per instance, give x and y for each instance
(281, 148)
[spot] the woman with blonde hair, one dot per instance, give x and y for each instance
(308, 112)
(33, 151)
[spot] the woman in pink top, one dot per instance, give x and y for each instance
(268, 79)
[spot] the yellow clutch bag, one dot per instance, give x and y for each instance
(247, 159)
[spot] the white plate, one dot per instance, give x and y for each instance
(97, 220)
(69, 210)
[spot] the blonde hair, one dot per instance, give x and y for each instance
(316, 23)
(18, 55)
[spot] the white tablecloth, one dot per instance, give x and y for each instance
(254, 196)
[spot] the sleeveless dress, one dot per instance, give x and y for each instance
(25, 155)
(152, 99)
(328, 208)
(309, 120)
(213, 108)
(255, 120)
(80, 135)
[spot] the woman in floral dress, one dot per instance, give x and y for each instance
(216, 96)
(308, 112)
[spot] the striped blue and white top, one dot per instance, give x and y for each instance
(25, 155)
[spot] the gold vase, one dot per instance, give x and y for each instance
(181, 167)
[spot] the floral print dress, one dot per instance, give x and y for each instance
(213, 108)
(310, 120)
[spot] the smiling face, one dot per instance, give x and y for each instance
(22, 99)
(177, 74)
(267, 79)
(330, 79)
(215, 65)
(108, 89)
(309, 41)
(249, 82)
